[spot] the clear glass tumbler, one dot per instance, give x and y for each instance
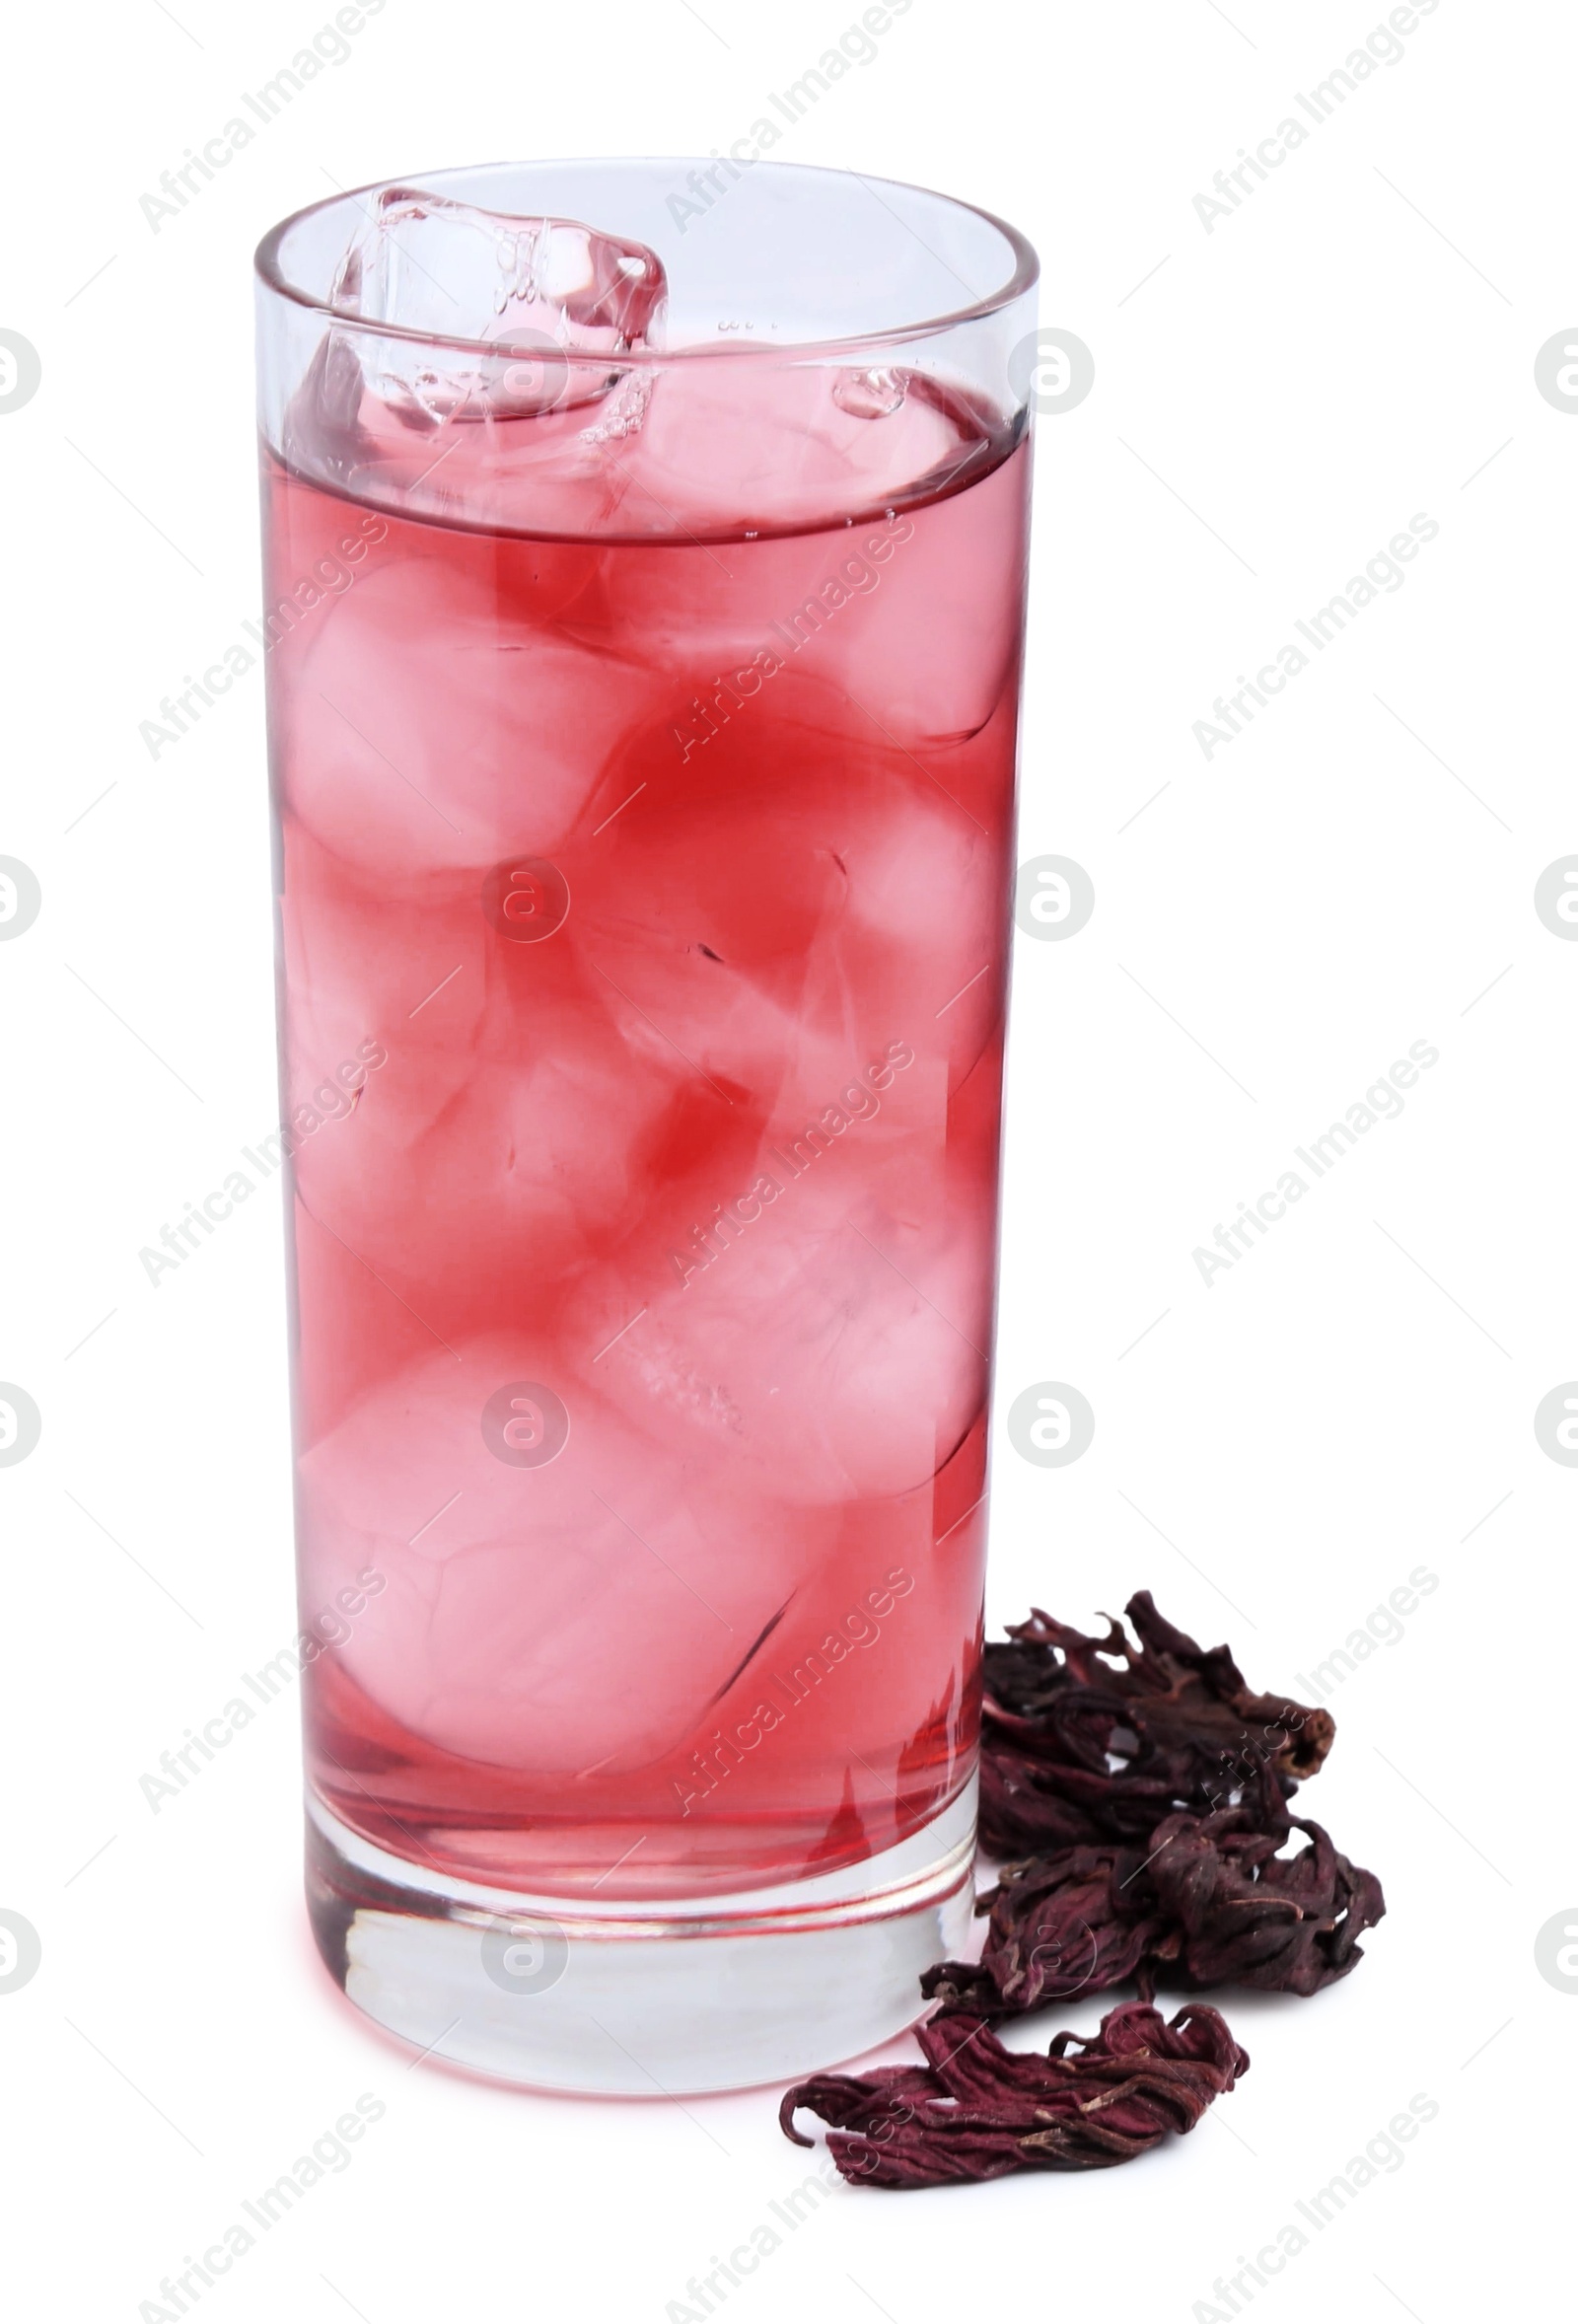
(645, 555)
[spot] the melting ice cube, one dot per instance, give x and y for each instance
(544, 292)
(431, 264)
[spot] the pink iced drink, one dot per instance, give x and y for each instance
(644, 777)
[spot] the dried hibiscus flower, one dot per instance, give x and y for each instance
(1061, 1925)
(1152, 1784)
(1075, 1750)
(1242, 1914)
(1210, 1903)
(978, 2110)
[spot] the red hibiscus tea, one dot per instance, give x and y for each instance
(643, 696)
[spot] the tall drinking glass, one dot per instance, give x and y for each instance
(645, 553)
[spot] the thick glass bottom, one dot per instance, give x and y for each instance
(640, 2000)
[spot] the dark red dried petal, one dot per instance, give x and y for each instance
(1116, 1778)
(978, 2110)
(1210, 1903)
(1071, 1924)
(1076, 1749)
(1246, 1916)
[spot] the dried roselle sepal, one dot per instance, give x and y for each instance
(978, 2110)
(1075, 1748)
(1071, 1924)
(1037, 1804)
(1240, 1913)
(1209, 1903)
(1192, 1696)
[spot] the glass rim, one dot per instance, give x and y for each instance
(1026, 273)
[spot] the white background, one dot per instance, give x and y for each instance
(1354, 1397)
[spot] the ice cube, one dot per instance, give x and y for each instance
(928, 641)
(432, 265)
(923, 930)
(854, 901)
(424, 726)
(850, 1377)
(555, 1618)
(407, 964)
(707, 622)
(528, 320)
(543, 290)
(472, 1179)
(760, 452)
(826, 1341)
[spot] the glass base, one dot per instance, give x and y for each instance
(638, 1999)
